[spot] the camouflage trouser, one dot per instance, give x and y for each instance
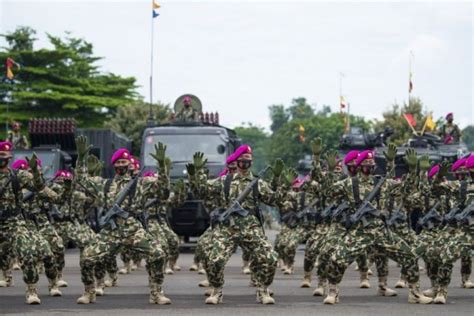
(427, 248)
(459, 244)
(407, 234)
(249, 236)
(293, 239)
(205, 239)
(314, 244)
(281, 239)
(30, 248)
(374, 238)
(55, 243)
(169, 243)
(129, 234)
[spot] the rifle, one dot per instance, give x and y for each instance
(340, 210)
(308, 212)
(366, 208)
(290, 219)
(450, 217)
(235, 207)
(110, 214)
(151, 202)
(467, 216)
(397, 219)
(31, 194)
(428, 221)
(328, 210)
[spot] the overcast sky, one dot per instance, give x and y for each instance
(240, 57)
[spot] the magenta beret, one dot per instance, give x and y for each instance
(244, 149)
(365, 155)
(231, 159)
(6, 146)
(20, 164)
(223, 172)
(148, 173)
(458, 164)
(433, 171)
(63, 174)
(470, 162)
(351, 156)
(122, 153)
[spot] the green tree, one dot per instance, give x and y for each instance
(59, 82)
(131, 120)
(394, 118)
(468, 137)
(257, 139)
(279, 117)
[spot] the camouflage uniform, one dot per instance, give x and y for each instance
(359, 239)
(245, 232)
(128, 234)
(22, 240)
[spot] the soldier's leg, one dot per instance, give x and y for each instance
(144, 243)
(172, 241)
(6, 259)
(105, 245)
(264, 261)
(126, 257)
(220, 250)
(291, 245)
(466, 269)
(311, 254)
(50, 264)
(56, 245)
(401, 252)
(362, 265)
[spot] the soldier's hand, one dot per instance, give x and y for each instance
(191, 169)
(168, 164)
(425, 163)
(411, 159)
(180, 187)
(199, 161)
(92, 162)
(443, 169)
(331, 159)
(82, 147)
(33, 162)
(278, 167)
(317, 147)
(391, 152)
(160, 154)
(290, 175)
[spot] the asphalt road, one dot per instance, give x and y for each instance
(131, 296)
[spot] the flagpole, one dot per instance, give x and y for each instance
(150, 114)
(409, 78)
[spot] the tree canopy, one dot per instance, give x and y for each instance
(60, 82)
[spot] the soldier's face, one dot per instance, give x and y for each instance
(232, 167)
(352, 168)
(367, 167)
(449, 119)
(244, 162)
(121, 166)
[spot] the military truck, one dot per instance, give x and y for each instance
(183, 139)
(53, 141)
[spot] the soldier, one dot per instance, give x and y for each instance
(245, 230)
(15, 236)
(459, 242)
(15, 137)
(450, 132)
(123, 229)
(369, 233)
(187, 113)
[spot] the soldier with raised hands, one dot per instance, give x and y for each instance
(239, 223)
(121, 228)
(15, 236)
(366, 230)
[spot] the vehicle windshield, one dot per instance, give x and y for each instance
(47, 161)
(181, 148)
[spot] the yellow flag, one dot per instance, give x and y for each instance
(430, 124)
(155, 5)
(10, 74)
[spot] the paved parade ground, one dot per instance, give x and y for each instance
(131, 297)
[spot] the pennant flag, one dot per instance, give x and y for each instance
(410, 84)
(410, 119)
(9, 65)
(343, 103)
(155, 14)
(155, 5)
(430, 124)
(347, 124)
